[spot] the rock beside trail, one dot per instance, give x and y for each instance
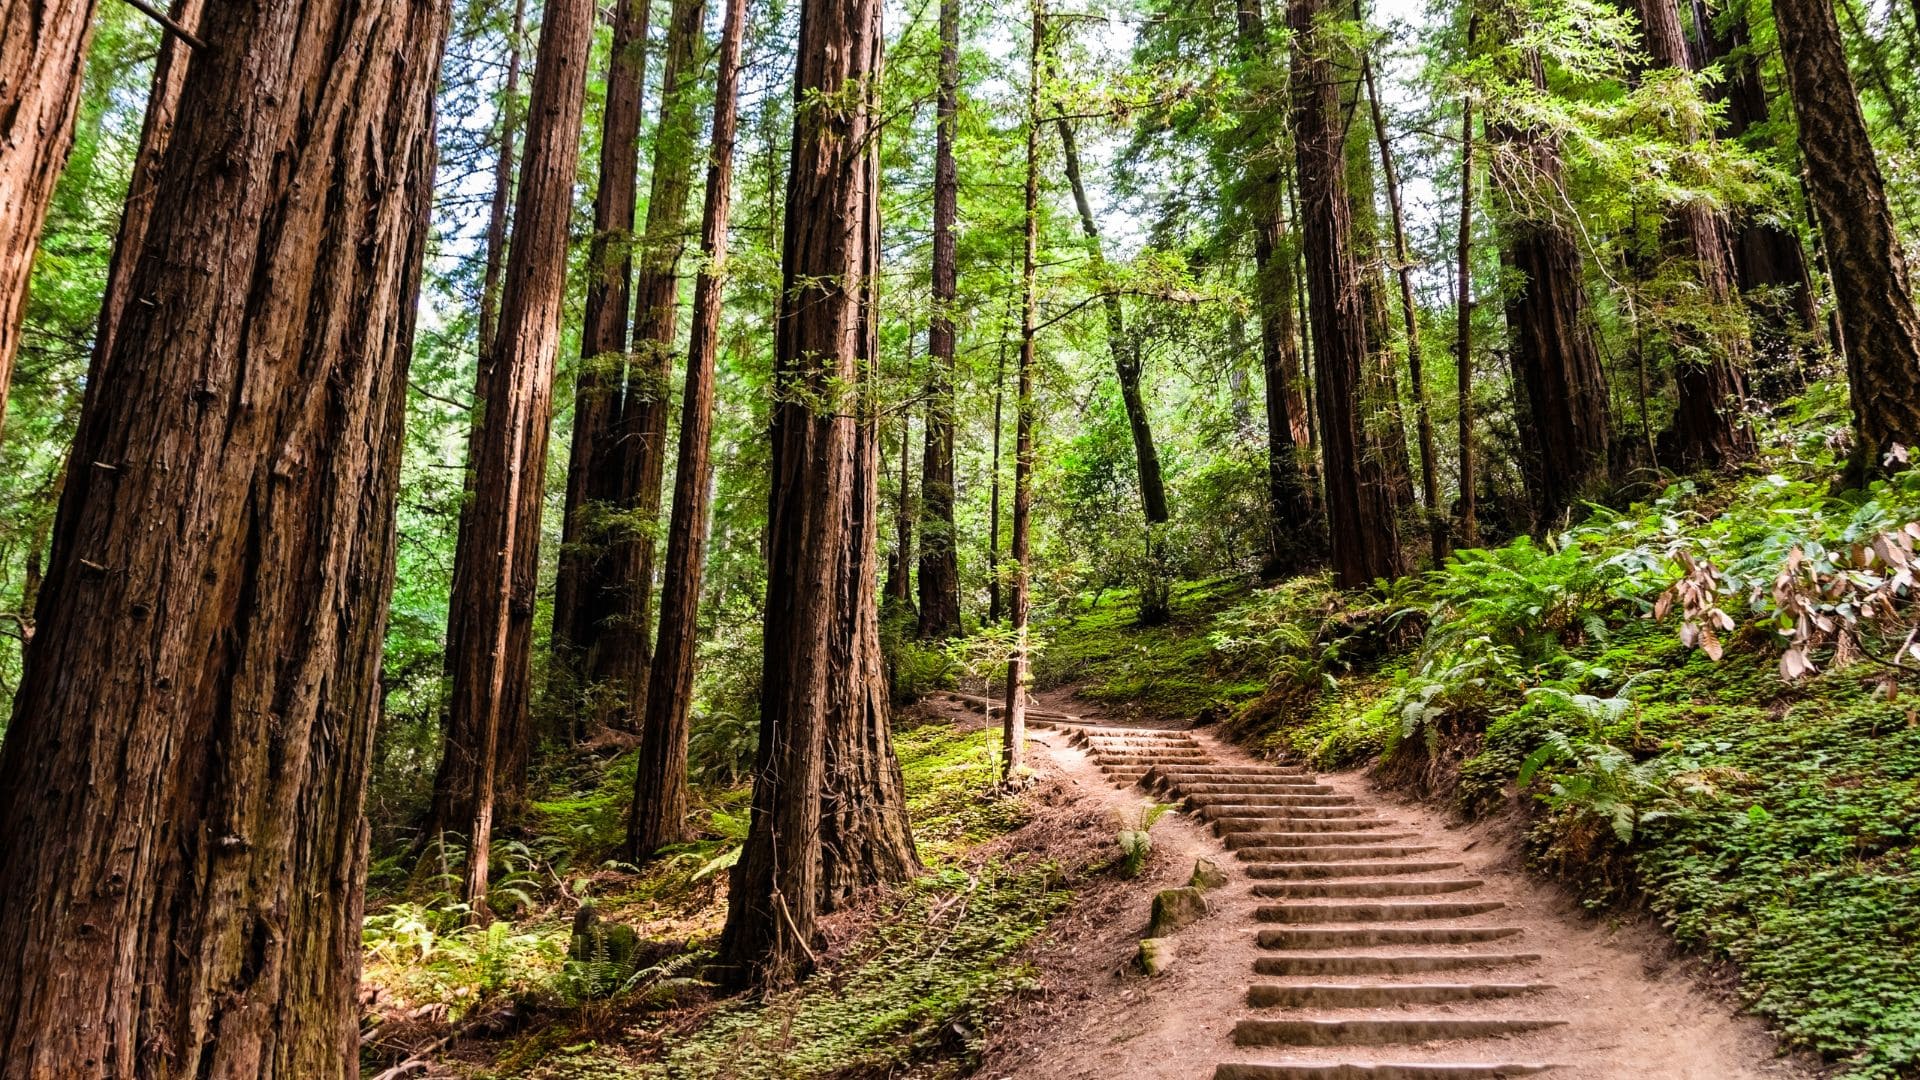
(1174, 909)
(1155, 957)
(1206, 875)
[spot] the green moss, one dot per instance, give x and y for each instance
(1164, 672)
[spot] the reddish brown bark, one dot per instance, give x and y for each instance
(659, 815)
(192, 736)
(939, 559)
(1360, 502)
(1864, 254)
(824, 342)
(492, 607)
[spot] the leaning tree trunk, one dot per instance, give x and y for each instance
(1863, 249)
(823, 343)
(659, 814)
(1567, 428)
(1294, 533)
(939, 559)
(43, 53)
(1360, 507)
(193, 732)
(1013, 735)
(1709, 428)
(492, 607)
(603, 337)
(618, 588)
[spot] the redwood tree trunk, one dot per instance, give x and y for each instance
(823, 343)
(1567, 423)
(492, 607)
(1013, 735)
(939, 561)
(1863, 249)
(659, 815)
(1360, 507)
(43, 54)
(603, 335)
(193, 732)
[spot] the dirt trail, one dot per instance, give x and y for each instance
(1390, 944)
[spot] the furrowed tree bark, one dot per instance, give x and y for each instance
(939, 560)
(193, 732)
(1709, 429)
(603, 340)
(1437, 526)
(824, 341)
(1864, 255)
(1294, 530)
(659, 814)
(617, 590)
(492, 607)
(1013, 733)
(43, 54)
(1567, 425)
(1360, 508)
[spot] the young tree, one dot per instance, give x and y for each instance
(659, 815)
(603, 335)
(939, 562)
(899, 588)
(820, 586)
(492, 607)
(190, 745)
(1360, 509)
(1463, 316)
(1014, 729)
(43, 53)
(1864, 255)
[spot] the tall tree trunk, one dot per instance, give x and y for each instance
(1294, 530)
(900, 564)
(1410, 313)
(618, 588)
(659, 815)
(1013, 741)
(1567, 427)
(993, 485)
(192, 737)
(492, 607)
(939, 559)
(1463, 313)
(1125, 351)
(1864, 256)
(43, 54)
(1360, 509)
(821, 634)
(603, 339)
(1708, 426)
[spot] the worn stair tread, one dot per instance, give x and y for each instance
(1332, 854)
(1374, 964)
(1326, 937)
(1366, 887)
(1425, 1070)
(1319, 826)
(1404, 911)
(1374, 1031)
(1308, 871)
(1380, 995)
(1309, 838)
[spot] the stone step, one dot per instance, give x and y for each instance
(1361, 937)
(1346, 853)
(1277, 814)
(1321, 826)
(1290, 802)
(1386, 965)
(1149, 757)
(1377, 1032)
(1350, 913)
(1258, 823)
(1255, 771)
(1303, 890)
(1280, 784)
(1238, 787)
(1237, 805)
(1320, 1070)
(1380, 996)
(1303, 871)
(1309, 838)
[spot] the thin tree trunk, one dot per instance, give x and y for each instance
(1410, 312)
(1360, 509)
(900, 563)
(43, 54)
(939, 558)
(993, 485)
(603, 341)
(1014, 731)
(1463, 310)
(192, 737)
(659, 815)
(1864, 255)
(492, 607)
(820, 664)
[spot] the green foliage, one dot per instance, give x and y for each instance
(1136, 838)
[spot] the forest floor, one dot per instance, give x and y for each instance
(1633, 1007)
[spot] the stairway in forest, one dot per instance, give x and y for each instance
(1381, 960)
